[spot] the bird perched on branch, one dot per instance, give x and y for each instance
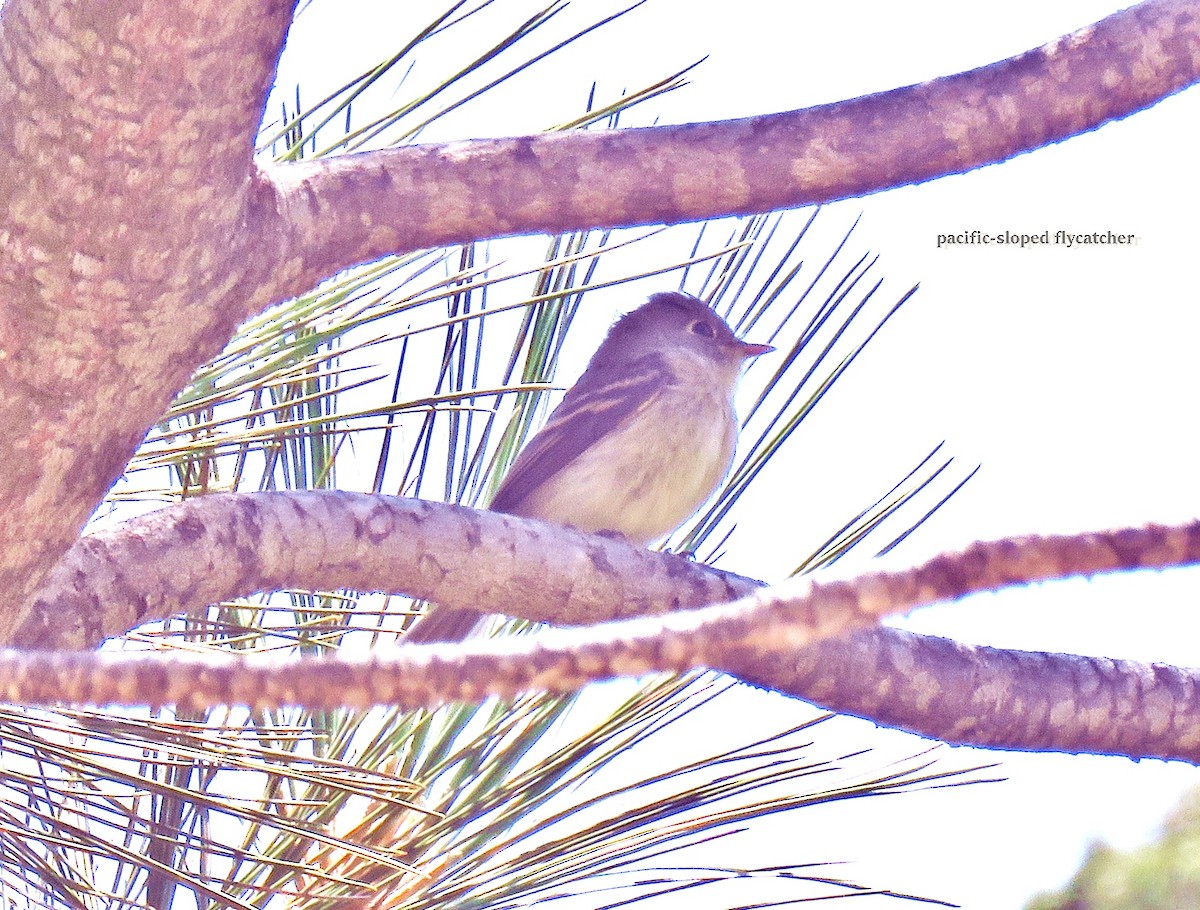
(638, 443)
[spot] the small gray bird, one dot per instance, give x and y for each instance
(638, 443)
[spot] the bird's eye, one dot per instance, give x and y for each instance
(703, 328)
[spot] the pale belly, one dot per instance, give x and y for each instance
(647, 496)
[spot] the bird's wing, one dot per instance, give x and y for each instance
(599, 404)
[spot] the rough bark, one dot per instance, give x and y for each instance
(131, 241)
(791, 638)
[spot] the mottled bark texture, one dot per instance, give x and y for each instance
(132, 239)
(136, 233)
(225, 546)
(367, 205)
(1011, 699)
(782, 638)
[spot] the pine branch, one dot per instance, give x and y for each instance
(783, 638)
(359, 207)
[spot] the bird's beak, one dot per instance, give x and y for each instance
(754, 350)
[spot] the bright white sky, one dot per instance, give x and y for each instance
(1068, 373)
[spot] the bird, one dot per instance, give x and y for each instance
(637, 445)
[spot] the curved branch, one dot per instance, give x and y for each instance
(780, 638)
(228, 545)
(1097, 705)
(360, 207)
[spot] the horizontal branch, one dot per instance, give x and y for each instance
(1095, 705)
(1099, 705)
(362, 206)
(780, 638)
(215, 548)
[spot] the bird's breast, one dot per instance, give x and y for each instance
(649, 476)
